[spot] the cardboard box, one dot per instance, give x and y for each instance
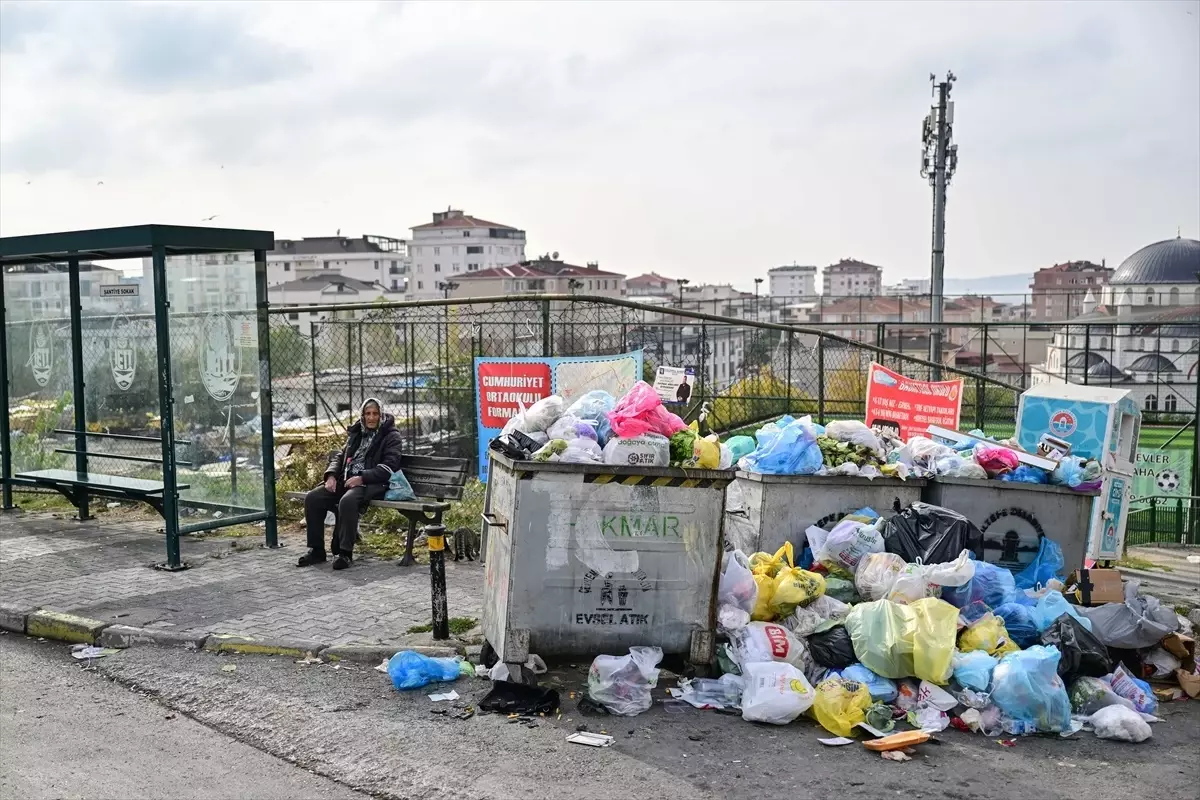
(1095, 587)
(1184, 648)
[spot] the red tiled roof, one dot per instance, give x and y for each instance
(530, 269)
(462, 221)
(650, 279)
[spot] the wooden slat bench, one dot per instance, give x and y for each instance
(434, 480)
(77, 485)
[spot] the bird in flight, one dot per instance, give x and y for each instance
(99, 183)
(210, 219)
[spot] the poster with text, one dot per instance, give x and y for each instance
(1163, 473)
(505, 385)
(907, 407)
(674, 384)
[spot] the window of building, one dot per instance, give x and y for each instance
(1151, 402)
(474, 249)
(287, 267)
(293, 315)
(1173, 298)
(454, 266)
(437, 251)
(376, 265)
(1170, 403)
(1142, 345)
(1149, 297)
(325, 265)
(1174, 345)
(1103, 343)
(420, 284)
(437, 267)
(466, 233)
(454, 250)
(472, 267)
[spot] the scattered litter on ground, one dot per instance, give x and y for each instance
(895, 755)
(229, 668)
(450, 695)
(309, 658)
(836, 741)
(87, 651)
(591, 739)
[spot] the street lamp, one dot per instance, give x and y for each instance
(682, 283)
(573, 284)
(757, 283)
(447, 287)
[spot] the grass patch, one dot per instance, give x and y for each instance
(466, 512)
(1132, 562)
(387, 545)
(42, 501)
(458, 626)
(232, 532)
(1183, 611)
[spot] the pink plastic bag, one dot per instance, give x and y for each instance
(641, 411)
(995, 460)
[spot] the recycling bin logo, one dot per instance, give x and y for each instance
(219, 357)
(1062, 423)
(41, 352)
(122, 355)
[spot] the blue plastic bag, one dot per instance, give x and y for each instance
(1026, 686)
(399, 489)
(595, 405)
(1019, 622)
(973, 612)
(1026, 474)
(740, 446)
(881, 689)
(410, 670)
(1052, 606)
(1069, 472)
(788, 449)
(1047, 564)
(991, 585)
(973, 670)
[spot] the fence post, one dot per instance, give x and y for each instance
(789, 372)
(1179, 521)
(435, 539)
(703, 361)
(1153, 515)
(547, 345)
(313, 327)
(821, 379)
(1087, 349)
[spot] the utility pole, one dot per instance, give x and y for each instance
(939, 159)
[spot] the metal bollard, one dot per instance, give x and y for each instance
(435, 537)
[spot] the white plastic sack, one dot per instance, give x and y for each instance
(1118, 722)
(920, 454)
(726, 458)
(917, 581)
(848, 543)
(736, 587)
(582, 451)
(854, 432)
(877, 574)
(1136, 623)
(647, 450)
(731, 618)
(806, 619)
(544, 413)
(1163, 662)
(564, 427)
(768, 641)
(622, 684)
(775, 693)
(813, 535)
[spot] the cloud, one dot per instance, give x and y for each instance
(679, 137)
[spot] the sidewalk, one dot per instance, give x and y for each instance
(102, 570)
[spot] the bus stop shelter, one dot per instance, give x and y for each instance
(147, 380)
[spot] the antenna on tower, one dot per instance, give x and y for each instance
(939, 161)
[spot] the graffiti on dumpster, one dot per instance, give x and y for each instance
(614, 607)
(1017, 535)
(629, 525)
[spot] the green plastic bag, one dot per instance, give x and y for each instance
(901, 641)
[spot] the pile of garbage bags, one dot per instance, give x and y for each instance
(790, 446)
(636, 430)
(895, 620)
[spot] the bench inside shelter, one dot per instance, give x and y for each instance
(77, 485)
(435, 480)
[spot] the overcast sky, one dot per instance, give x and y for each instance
(706, 140)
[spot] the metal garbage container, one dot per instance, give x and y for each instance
(584, 559)
(764, 511)
(1014, 516)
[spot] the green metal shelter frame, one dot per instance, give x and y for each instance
(162, 248)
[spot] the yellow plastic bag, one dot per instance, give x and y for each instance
(795, 587)
(708, 454)
(762, 605)
(764, 564)
(903, 641)
(841, 704)
(989, 635)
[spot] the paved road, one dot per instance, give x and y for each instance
(69, 733)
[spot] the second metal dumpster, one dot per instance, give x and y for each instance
(585, 559)
(764, 511)
(1015, 516)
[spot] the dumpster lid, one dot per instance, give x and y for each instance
(991, 483)
(609, 469)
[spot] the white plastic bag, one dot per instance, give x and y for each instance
(917, 581)
(806, 619)
(920, 454)
(1163, 662)
(564, 427)
(622, 684)
(737, 587)
(544, 413)
(855, 432)
(877, 574)
(582, 451)
(647, 450)
(726, 458)
(1118, 722)
(725, 692)
(848, 543)
(775, 693)
(767, 641)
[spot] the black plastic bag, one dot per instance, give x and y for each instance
(832, 648)
(931, 533)
(507, 697)
(1082, 653)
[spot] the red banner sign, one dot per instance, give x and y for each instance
(505, 386)
(908, 407)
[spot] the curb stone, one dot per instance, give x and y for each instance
(12, 617)
(374, 653)
(246, 646)
(63, 627)
(124, 636)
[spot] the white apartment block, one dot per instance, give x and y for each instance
(797, 281)
(852, 278)
(382, 260)
(907, 287)
(456, 244)
(34, 291)
(305, 294)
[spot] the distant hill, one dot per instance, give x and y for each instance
(997, 284)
